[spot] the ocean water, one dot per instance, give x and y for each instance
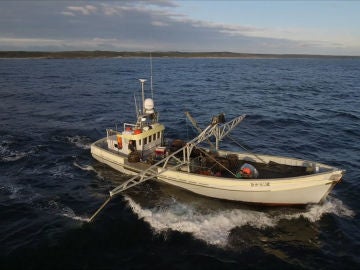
(52, 110)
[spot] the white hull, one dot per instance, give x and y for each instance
(312, 188)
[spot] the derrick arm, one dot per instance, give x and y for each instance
(226, 128)
(193, 121)
(229, 126)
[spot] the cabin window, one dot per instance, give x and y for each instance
(139, 142)
(145, 140)
(154, 137)
(149, 139)
(158, 135)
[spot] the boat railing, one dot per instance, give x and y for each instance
(110, 132)
(129, 127)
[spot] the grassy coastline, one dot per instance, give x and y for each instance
(171, 54)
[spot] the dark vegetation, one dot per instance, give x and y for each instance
(111, 54)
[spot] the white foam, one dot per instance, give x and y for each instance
(14, 156)
(7, 155)
(214, 227)
(84, 168)
(61, 171)
(88, 168)
(80, 141)
(63, 210)
(69, 213)
(315, 212)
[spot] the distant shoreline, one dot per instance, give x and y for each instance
(175, 54)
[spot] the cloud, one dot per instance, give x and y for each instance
(159, 23)
(84, 10)
(155, 3)
(111, 11)
(142, 25)
(67, 13)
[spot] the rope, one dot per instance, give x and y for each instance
(100, 208)
(247, 150)
(187, 128)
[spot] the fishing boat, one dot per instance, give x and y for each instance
(139, 149)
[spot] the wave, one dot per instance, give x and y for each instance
(14, 156)
(69, 213)
(84, 168)
(59, 209)
(214, 227)
(13, 148)
(19, 192)
(9, 155)
(25, 194)
(89, 168)
(61, 171)
(331, 206)
(347, 115)
(80, 141)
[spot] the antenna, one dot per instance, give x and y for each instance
(151, 78)
(142, 81)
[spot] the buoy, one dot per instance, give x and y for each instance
(248, 171)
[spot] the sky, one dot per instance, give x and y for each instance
(280, 27)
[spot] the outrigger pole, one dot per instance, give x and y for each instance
(160, 167)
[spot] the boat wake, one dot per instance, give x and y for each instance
(315, 212)
(214, 227)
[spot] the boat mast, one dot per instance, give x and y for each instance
(136, 107)
(142, 81)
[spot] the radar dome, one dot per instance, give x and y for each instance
(149, 106)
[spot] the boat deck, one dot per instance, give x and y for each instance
(266, 171)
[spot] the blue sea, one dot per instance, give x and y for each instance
(51, 110)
